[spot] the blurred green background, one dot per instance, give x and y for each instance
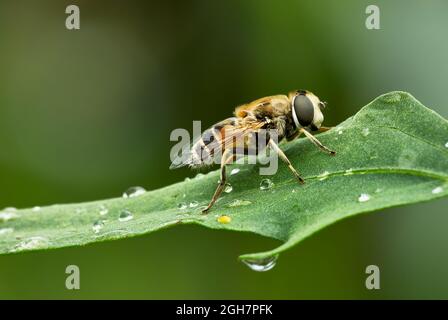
(86, 114)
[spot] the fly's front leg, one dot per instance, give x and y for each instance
(323, 129)
(317, 142)
(222, 182)
(286, 160)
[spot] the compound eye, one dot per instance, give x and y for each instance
(304, 110)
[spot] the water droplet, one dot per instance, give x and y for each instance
(103, 210)
(97, 226)
(125, 215)
(261, 265)
(323, 175)
(348, 172)
(446, 145)
(224, 219)
(6, 216)
(36, 209)
(237, 203)
(293, 191)
(4, 231)
(31, 243)
(266, 184)
(182, 206)
(236, 170)
(363, 197)
(228, 188)
(340, 132)
(365, 132)
(437, 190)
(193, 204)
(133, 192)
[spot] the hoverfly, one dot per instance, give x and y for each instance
(290, 116)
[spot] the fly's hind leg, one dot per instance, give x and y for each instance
(226, 159)
(286, 160)
(317, 143)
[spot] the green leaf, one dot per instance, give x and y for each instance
(392, 152)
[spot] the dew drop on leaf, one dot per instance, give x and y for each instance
(437, 190)
(6, 216)
(234, 171)
(103, 210)
(363, 197)
(228, 188)
(193, 204)
(224, 219)
(266, 184)
(133, 192)
(365, 132)
(97, 226)
(125, 215)
(261, 265)
(182, 206)
(446, 145)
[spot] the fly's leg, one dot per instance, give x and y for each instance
(317, 143)
(323, 129)
(224, 161)
(286, 160)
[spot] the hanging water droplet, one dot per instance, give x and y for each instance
(97, 226)
(224, 219)
(348, 172)
(36, 209)
(238, 203)
(133, 192)
(234, 171)
(31, 243)
(261, 265)
(363, 197)
(323, 175)
(4, 231)
(182, 206)
(125, 215)
(6, 216)
(193, 204)
(437, 190)
(103, 210)
(266, 184)
(228, 188)
(365, 132)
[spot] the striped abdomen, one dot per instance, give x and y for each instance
(231, 136)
